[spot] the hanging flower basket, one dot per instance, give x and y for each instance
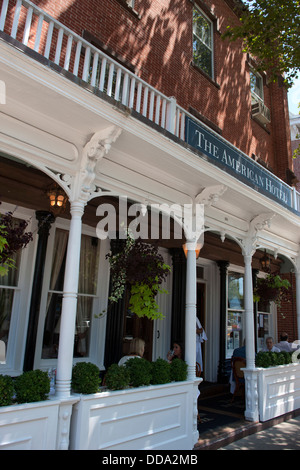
(271, 289)
(142, 269)
(12, 239)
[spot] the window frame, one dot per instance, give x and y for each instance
(98, 325)
(255, 97)
(22, 296)
(239, 311)
(208, 47)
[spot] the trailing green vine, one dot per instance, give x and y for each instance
(142, 269)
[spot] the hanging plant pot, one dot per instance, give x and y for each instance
(271, 289)
(141, 269)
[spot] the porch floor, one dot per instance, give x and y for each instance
(222, 420)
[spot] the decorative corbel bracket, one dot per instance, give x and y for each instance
(249, 244)
(93, 152)
(210, 195)
(81, 186)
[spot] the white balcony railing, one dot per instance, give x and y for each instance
(25, 22)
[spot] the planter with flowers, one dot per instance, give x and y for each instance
(140, 268)
(272, 288)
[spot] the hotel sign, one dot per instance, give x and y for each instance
(233, 161)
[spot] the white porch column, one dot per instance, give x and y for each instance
(251, 386)
(69, 304)
(249, 313)
(297, 274)
(249, 245)
(190, 310)
(81, 190)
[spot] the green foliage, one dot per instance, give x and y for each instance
(142, 269)
(117, 377)
(32, 386)
(160, 372)
(142, 301)
(270, 32)
(12, 239)
(139, 370)
(272, 359)
(178, 370)
(86, 378)
(271, 288)
(6, 390)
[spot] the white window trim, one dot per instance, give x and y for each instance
(21, 303)
(256, 96)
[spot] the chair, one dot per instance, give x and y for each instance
(238, 363)
(2, 352)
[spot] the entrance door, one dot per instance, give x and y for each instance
(201, 288)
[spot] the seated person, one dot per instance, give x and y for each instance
(284, 345)
(270, 345)
(136, 349)
(240, 352)
(177, 352)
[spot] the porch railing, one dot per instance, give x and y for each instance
(27, 23)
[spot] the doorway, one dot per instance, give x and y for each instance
(201, 300)
(135, 327)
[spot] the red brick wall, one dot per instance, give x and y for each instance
(286, 313)
(159, 44)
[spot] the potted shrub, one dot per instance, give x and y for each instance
(31, 386)
(178, 370)
(271, 289)
(117, 377)
(160, 372)
(6, 390)
(140, 371)
(86, 378)
(142, 269)
(272, 359)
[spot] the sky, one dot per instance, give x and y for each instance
(294, 97)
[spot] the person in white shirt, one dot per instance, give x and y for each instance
(270, 345)
(284, 345)
(200, 337)
(136, 349)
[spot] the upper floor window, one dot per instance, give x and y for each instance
(202, 42)
(256, 85)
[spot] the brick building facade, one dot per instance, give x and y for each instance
(144, 101)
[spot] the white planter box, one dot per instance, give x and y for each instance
(42, 425)
(278, 390)
(154, 417)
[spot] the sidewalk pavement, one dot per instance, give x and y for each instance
(281, 436)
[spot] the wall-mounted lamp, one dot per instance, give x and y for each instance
(197, 250)
(265, 262)
(58, 199)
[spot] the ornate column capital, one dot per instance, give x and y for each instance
(93, 152)
(250, 242)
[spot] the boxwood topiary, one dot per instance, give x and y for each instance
(160, 372)
(31, 386)
(6, 390)
(178, 370)
(86, 378)
(272, 359)
(140, 371)
(117, 377)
